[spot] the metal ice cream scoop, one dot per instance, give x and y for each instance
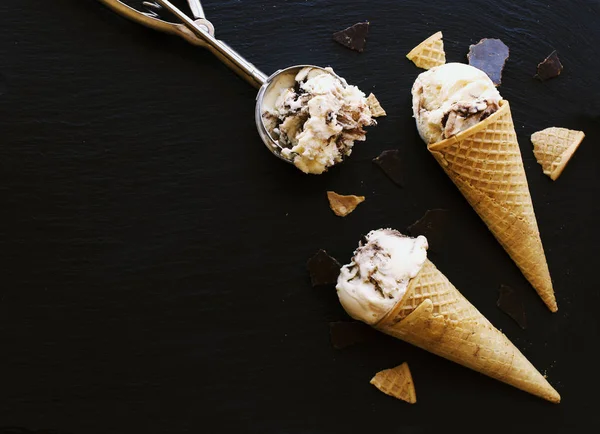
(199, 31)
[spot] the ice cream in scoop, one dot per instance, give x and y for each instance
(450, 98)
(316, 117)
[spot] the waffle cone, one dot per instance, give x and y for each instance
(485, 163)
(429, 53)
(434, 316)
(554, 147)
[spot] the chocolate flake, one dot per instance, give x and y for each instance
(549, 68)
(511, 303)
(354, 37)
(489, 55)
(433, 225)
(389, 161)
(347, 333)
(323, 269)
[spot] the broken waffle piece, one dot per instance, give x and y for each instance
(343, 205)
(375, 107)
(554, 147)
(429, 53)
(396, 382)
(549, 68)
(354, 37)
(489, 55)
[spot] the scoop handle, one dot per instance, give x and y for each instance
(220, 49)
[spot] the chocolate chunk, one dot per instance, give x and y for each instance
(433, 225)
(549, 68)
(489, 55)
(347, 333)
(391, 164)
(323, 269)
(511, 303)
(354, 37)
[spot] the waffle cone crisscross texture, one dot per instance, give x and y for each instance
(396, 382)
(429, 53)
(435, 316)
(485, 163)
(554, 147)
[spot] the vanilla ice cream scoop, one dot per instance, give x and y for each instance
(451, 98)
(315, 117)
(378, 275)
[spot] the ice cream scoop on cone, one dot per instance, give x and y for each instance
(469, 130)
(391, 285)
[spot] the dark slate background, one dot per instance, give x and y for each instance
(152, 251)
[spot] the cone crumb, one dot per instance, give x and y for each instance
(343, 205)
(396, 382)
(375, 107)
(554, 147)
(429, 53)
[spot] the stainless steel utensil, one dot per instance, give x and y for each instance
(199, 31)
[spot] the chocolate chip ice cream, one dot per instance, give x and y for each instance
(451, 98)
(316, 118)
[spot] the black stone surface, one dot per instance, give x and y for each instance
(153, 251)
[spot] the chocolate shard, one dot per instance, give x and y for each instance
(347, 333)
(354, 37)
(389, 161)
(489, 55)
(549, 68)
(433, 225)
(511, 303)
(323, 269)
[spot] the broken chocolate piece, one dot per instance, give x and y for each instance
(354, 37)
(323, 269)
(549, 68)
(489, 55)
(343, 205)
(347, 333)
(433, 225)
(511, 303)
(389, 161)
